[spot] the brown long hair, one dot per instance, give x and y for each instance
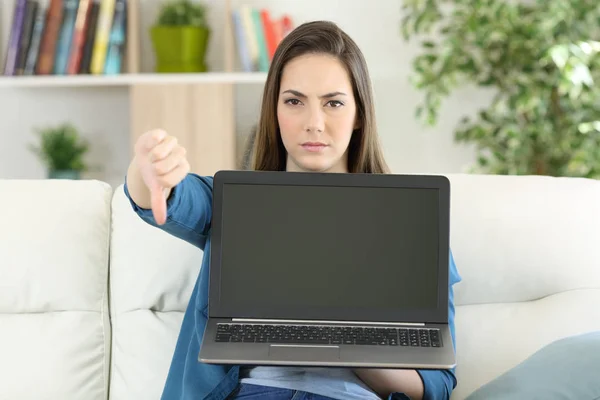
(319, 37)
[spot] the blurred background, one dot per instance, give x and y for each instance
(488, 87)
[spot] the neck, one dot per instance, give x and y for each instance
(292, 167)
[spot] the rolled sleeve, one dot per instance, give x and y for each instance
(189, 210)
(437, 384)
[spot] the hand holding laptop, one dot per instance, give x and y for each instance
(162, 164)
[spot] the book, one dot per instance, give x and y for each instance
(50, 38)
(31, 9)
(79, 37)
(36, 38)
(241, 41)
(63, 46)
(116, 44)
(16, 32)
(251, 39)
(269, 33)
(263, 56)
(105, 19)
(90, 39)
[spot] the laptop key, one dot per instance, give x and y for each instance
(223, 338)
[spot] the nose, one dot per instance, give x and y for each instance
(315, 120)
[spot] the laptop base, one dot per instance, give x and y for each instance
(327, 355)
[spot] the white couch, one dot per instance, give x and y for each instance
(91, 297)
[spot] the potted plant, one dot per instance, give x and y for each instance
(541, 61)
(62, 150)
(180, 37)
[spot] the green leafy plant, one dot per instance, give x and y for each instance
(61, 148)
(182, 13)
(541, 58)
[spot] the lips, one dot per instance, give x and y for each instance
(314, 146)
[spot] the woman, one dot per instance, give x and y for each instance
(317, 115)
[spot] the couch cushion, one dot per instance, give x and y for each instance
(493, 338)
(520, 238)
(152, 276)
(565, 369)
(55, 329)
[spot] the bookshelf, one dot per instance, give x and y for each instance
(199, 108)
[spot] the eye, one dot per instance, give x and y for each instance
(293, 102)
(335, 103)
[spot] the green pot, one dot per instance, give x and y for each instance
(180, 48)
(64, 174)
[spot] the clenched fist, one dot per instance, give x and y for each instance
(162, 164)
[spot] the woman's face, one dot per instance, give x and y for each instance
(316, 112)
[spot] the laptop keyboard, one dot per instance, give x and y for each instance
(318, 334)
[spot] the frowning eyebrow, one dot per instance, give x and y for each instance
(325, 96)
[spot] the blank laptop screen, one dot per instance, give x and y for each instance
(302, 252)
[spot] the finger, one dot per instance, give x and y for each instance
(163, 149)
(175, 176)
(163, 167)
(154, 138)
(159, 204)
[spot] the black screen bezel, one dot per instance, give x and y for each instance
(439, 182)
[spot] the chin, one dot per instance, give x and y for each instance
(315, 165)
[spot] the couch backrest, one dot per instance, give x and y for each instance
(152, 275)
(524, 238)
(54, 320)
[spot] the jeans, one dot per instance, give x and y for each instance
(256, 392)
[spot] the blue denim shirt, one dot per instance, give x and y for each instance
(189, 214)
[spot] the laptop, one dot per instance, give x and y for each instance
(329, 270)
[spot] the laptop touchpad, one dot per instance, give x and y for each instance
(304, 353)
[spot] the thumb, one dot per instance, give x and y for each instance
(159, 204)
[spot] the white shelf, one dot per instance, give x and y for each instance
(124, 80)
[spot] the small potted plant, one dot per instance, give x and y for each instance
(62, 150)
(180, 37)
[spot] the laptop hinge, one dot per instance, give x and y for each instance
(323, 322)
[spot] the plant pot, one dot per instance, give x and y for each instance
(64, 174)
(180, 48)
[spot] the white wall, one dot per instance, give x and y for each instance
(102, 113)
